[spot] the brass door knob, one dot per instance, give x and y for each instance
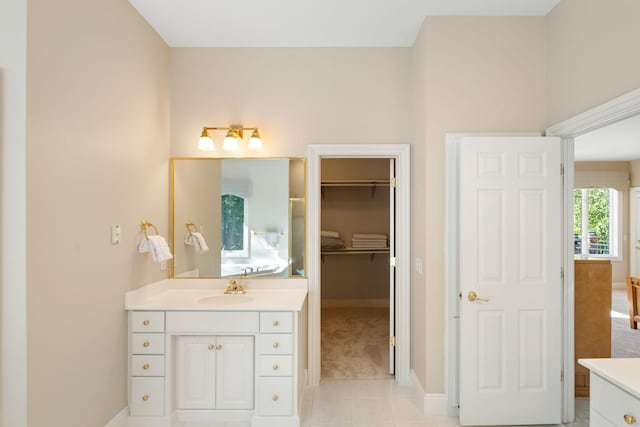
(211, 347)
(219, 347)
(145, 344)
(629, 419)
(275, 397)
(276, 323)
(276, 367)
(145, 323)
(474, 297)
(145, 397)
(145, 366)
(276, 345)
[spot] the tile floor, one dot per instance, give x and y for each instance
(374, 403)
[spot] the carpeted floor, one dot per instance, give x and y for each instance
(355, 343)
(625, 342)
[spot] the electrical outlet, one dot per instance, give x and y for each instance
(163, 265)
(419, 265)
(116, 234)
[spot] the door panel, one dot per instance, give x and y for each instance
(510, 255)
(195, 372)
(234, 372)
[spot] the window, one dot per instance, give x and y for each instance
(235, 241)
(596, 220)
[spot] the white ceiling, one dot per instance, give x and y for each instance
(618, 141)
(312, 23)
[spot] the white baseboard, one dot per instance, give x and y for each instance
(619, 285)
(347, 303)
(432, 403)
(120, 420)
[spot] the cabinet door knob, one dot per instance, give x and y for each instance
(145, 397)
(276, 323)
(629, 419)
(219, 347)
(276, 345)
(145, 323)
(275, 397)
(145, 366)
(276, 367)
(211, 347)
(145, 344)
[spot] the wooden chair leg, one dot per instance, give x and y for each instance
(633, 304)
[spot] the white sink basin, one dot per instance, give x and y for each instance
(225, 299)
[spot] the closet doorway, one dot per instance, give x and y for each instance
(358, 300)
(357, 250)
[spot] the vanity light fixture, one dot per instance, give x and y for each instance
(232, 139)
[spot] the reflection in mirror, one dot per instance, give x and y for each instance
(250, 213)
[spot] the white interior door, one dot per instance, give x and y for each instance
(634, 225)
(392, 267)
(511, 257)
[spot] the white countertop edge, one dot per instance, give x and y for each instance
(621, 372)
(139, 299)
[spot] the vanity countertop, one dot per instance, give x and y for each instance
(208, 295)
(624, 373)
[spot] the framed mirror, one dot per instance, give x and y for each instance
(237, 217)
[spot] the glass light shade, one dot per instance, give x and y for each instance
(205, 144)
(255, 141)
(230, 142)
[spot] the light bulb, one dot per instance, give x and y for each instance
(231, 141)
(205, 143)
(255, 141)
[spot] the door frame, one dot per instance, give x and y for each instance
(634, 229)
(401, 153)
(618, 109)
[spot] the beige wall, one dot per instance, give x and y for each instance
(635, 173)
(610, 175)
(297, 96)
(13, 277)
(482, 75)
(591, 58)
(97, 155)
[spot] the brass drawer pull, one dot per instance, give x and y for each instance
(145, 397)
(275, 397)
(276, 345)
(145, 366)
(276, 367)
(629, 419)
(211, 347)
(276, 323)
(145, 344)
(145, 323)
(219, 347)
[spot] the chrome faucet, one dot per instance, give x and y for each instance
(235, 288)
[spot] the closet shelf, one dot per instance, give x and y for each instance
(354, 251)
(371, 183)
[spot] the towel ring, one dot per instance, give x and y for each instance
(189, 226)
(144, 225)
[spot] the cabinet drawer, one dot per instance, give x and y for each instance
(212, 322)
(147, 321)
(275, 396)
(275, 322)
(147, 366)
(147, 343)
(146, 396)
(275, 344)
(275, 366)
(612, 402)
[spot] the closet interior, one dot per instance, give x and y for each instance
(357, 283)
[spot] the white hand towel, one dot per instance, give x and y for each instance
(196, 239)
(158, 247)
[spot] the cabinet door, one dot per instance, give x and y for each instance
(195, 372)
(234, 372)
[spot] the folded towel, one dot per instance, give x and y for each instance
(368, 236)
(331, 243)
(158, 247)
(196, 239)
(333, 234)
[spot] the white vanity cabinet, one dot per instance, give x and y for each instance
(211, 366)
(214, 372)
(614, 392)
